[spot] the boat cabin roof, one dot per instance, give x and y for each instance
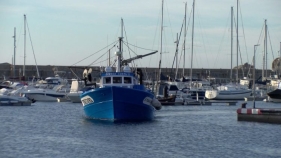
(123, 79)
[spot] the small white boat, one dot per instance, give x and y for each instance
(46, 95)
(6, 100)
(228, 92)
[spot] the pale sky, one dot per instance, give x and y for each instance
(66, 31)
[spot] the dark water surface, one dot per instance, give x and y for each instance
(61, 130)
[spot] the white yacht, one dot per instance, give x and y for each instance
(228, 92)
(46, 95)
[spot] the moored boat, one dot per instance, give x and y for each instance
(228, 92)
(121, 95)
(275, 96)
(46, 95)
(6, 100)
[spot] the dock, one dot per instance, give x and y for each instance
(202, 102)
(264, 115)
(221, 102)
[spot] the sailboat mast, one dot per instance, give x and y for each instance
(183, 67)
(265, 48)
(237, 45)
(264, 63)
(192, 43)
(161, 42)
(24, 53)
(231, 54)
(177, 67)
(14, 60)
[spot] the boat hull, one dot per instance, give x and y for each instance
(275, 96)
(118, 103)
(74, 97)
(42, 97)
(227, 95)
(14, 101)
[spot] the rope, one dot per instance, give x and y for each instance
(243, 32)
(101, 56)
(38, 75)
(94, 53)
(221, 42)
(270, 44)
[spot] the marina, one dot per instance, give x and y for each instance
(195, 79)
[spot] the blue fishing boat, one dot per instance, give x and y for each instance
(121, 96)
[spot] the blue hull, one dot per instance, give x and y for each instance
(117, 103)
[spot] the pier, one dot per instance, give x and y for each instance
(264, 115)
(201, 103)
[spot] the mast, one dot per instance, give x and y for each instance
(24, 55)
(192, 43)
(119, 53)
(177, 67)
(14, 60)
(183, 67)
(231, 43)
(254, 75)
(265, 48)
(264, 64)
(237, 45)
(161, 31)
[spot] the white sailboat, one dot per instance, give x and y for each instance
(230, 91)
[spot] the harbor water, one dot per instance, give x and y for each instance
(62, 130)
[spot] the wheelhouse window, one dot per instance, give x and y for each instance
(107, 80)
(127, 80)
(117, 79)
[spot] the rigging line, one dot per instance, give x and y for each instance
(133, 64)
(96, 52)
(270, 44)
(181, 55)
(177, 45)
(226, 28)
(102, 60)
(242, 68)
(38, 75)
(169, 20)
(261, 33)
(238, 51)
(101, 55)
(130, 49)
(18, 40)
(126, 43)
(260, 37)
(137, 46)
(155, 35)
(184, 43)
(257, 43)
(243, 31)
(202, 33)
(178, 40)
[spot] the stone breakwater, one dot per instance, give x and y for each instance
(149, 73)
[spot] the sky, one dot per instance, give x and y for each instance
(65, 32)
